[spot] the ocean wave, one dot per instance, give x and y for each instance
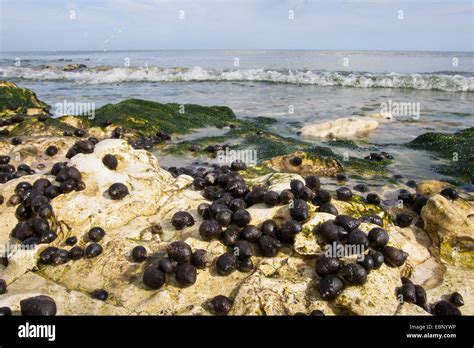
(443, 81)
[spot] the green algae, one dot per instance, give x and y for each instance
(457, 150)
(148, 117)
(31, 126)
(14, 99)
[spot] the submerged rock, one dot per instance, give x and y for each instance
(310, 165)
(457, 149)
(341, 128)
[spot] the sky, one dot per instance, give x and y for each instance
(406, 25)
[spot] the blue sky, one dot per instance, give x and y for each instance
(439, 25)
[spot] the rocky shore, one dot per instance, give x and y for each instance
(92, 221)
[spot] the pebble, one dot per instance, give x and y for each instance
(296, 187)
(330, 287)
(60, 257)
(403, 220)
(210, 229)
(269, 228)
(110, 161)
(79, 133)
(329, 231)
(204, 210)
(378, 238)
(322, 197)
(449, 193)
(70, 241)
(48, 237)
(179, 251)
(246, 265)
(251, 233)
(93, 250)
(296, 161)
(226, 263)
(221, 304)
(76, 253)
(236, 204)
(96, 234)
(45, 211)
(419, 203)
(118, 191)
(51, 150)
(199, 259)
(361, 187)
(347, 222)
(373, 198)
(327, 265)
(299, 211)
(408, 292)
(230, 235)
(367, 262)
(328, 208)
(269, 246)
(5, 312)
(289, 230)
(224, 217)
(153, 277)
(394, 257)
(139, 253)
(186, 274)
(16, 141)
(241, 218)
(420, 295)
(354, 274)
(3, 286)
(167, 265)
(445, 308)
(344, 194)
(271, 198)
(100, 294)
(313, 182)
(47, 255)
(182, 219)
(456, 299)
(41, 305)
(286, 196)
(242, 249)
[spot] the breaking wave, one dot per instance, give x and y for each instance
(443, 81)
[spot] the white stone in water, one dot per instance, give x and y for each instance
(342, 128)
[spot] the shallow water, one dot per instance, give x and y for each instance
(294, 87)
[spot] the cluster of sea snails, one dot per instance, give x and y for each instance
(226, 219)
(180, 261)
(5, 122)
(36, 218)
(9, 172)
(416, 294)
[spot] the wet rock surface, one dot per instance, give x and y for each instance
(230, 240)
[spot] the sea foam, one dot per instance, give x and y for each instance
(443, 81)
